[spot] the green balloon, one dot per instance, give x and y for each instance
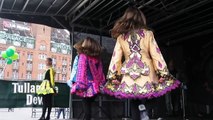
(4, 55)
(13, 48)
(9, 61)
(10, 52)
(15, 56)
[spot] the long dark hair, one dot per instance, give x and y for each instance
(132, 19)
(89, 47)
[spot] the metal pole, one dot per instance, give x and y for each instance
(183, 100)
(84, 11)
(100, 31)
(100, 105)
(71, 44)
(128, 107)
(100, 97)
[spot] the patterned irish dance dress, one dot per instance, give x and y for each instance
(88, 76)
(141, 70)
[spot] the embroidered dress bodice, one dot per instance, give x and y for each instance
(141, 70)
(133, 64)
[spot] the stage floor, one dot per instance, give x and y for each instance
(26, 114)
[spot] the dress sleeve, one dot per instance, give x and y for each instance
(74, 69)
(157, 57)
(114, 72)
(73, 72)
(52, 74)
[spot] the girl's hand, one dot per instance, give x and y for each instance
(116, 82)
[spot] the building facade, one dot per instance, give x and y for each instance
(34, 43)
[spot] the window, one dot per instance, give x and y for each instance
(30, 42)
(64, 51)
(15, 64)
(29, 76)
(2, 36)
(15, 74)
(2, 62)
(29, 65)
(44, 66)
(40, 76)
(23, 44)
(42, 56)
(1, 74)
(64, 62)
(2, 40)
(53, 46)
(54, 60)
(42, 47)
(41, 66)
(29, 56)
(64, 68)
(17, 43)
(59, 50)
(64, 77)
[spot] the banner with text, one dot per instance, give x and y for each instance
(23, 94)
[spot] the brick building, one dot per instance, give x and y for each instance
(34, 43)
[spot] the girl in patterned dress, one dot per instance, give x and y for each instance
(144, 73)
(89, 76)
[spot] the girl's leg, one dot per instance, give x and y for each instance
(59, 112)
(135, 113)
(87, 102)
(44, 107)
(49, 104)
(63, 112)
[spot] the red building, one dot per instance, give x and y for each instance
(34, 43)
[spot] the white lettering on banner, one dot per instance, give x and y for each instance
(32, 88)
(33, 100)
(14, 87)
(29, 89)
(20, 89)
(25, 87)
